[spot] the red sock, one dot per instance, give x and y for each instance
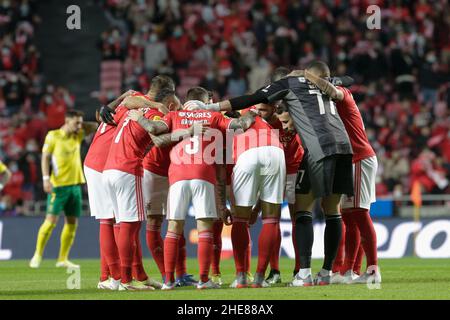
(155, 244)
(181, 269)
(248, 254)
(217, 246)
(108, 247)
(275, 255)
(127, 238)
(352, 239)
(297, 256)
(104, 270)
(266, 242)
(368, 235)
(116, 232)
(339, 260)
(138, 266)
(358, 261)
(240, 239)
(205, 253)
(170, 254)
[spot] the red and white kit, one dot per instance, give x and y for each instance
(293, 154)
(156, 167)
(99, 200)
(192, 170)
(365, 162)
(260, 165)
(123, 172)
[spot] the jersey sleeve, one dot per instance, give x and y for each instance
(167, 119)
(49, 143)
(275, 91)
(221, 123)
(348, 97)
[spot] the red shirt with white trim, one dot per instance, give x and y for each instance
(158, 161)
(260, 134)
(99, 149)
(130, 144)
(293, 150)
(354, 125)
(194, 158)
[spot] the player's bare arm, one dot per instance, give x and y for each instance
(244, 122)
(45, 168)
(104, 114)
(171, 138)
(221, 195)
(152, 127)
(325, 86)
(136, 102)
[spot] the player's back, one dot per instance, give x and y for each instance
(259, 134)
(98, 151)
(316, 119)
(194, 157)
(354, 124)
(130, 144)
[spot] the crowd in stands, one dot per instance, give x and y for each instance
(401, 70)
(28, 106)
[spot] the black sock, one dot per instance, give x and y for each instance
(304, 235)
(333, 234)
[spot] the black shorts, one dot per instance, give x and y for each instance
(331, 175)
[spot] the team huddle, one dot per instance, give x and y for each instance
(299, 139)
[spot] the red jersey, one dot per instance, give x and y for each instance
(99, 149)
(130, 144)
(260, 134)
(158, 161)
(293, 150)
(193, 158)
(354, 125)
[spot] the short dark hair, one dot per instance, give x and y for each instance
(321, 67)
(162, 82)
(279, 73)
(74, 113)
(164, 94)
(282, 107)
(197, 93)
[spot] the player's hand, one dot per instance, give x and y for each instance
(106, 115)
(227, 218)
(253, 217)
(135, 114)
(198, 129)
(195, 105)
(129, 93)
(48, 186)
(161, 108)
(296, 73)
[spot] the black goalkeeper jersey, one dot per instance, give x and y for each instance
(314, 115)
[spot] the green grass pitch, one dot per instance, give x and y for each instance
(408, 278)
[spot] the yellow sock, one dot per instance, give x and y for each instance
(67, 237)
(45, 231)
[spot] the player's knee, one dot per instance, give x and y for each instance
(155, 220)
(176, 226)
(205, 225)
(303, 217)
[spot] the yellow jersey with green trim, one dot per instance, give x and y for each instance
(66, 164)
(2, 167)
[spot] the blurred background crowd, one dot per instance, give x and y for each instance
(230, 47)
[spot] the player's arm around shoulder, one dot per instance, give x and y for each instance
(324, 85)
(244, 122)
(151, 126)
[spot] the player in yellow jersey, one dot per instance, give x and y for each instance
(61, 152)
(5, 175)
